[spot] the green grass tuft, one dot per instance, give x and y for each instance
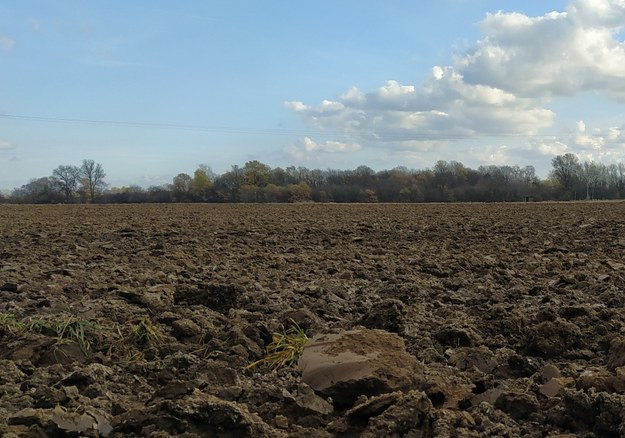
(284, 349)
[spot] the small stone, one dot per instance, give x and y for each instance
(71, 392)
(552, 388)
(549, 372)
(185, 328)
(465, 419)
(489, 397)
(281, 422)
(309, 401)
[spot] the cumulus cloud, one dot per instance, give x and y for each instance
(588, 143)
(549, 147)
(499, 88)
(307, 147)
(491, 154)
(600, 141)
(445, 107)
(558, 54)
(6, 42)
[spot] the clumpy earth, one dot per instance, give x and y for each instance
(142, 320)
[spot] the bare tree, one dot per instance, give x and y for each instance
(93, 177)
(67, 178)
(566, 170)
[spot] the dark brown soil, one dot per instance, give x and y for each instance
(516, 311)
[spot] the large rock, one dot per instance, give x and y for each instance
(359, 362)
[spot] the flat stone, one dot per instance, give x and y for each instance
(359, 362)
(490, 396)
(372, 407)
(309, 401)
(552, 388)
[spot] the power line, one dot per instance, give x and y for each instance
(378, 135)
(159, 125)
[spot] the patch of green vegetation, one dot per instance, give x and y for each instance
(284, 349)
(145, 333)
(125, 340)
(10, 325)
(80, 330)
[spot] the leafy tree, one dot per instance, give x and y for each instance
(256, 173)
(68, 178)
(201, 184)
(228, 184)
(299, 192)
(92, 178)
(38, 191)
(181, 187)
(250, 193)
(368, 196)
(274, 193)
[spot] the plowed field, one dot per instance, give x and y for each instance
(140, 320)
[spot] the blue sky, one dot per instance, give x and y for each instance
(150, 89)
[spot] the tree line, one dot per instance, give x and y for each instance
(67, 184)
(446, 181)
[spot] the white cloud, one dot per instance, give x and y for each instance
(598, 139)
(307, 149)
(560, 53)
(551, 148)
(584, 140)
(498, 88)
(490, 154)
(6, 146)
(444, 108)
(602, 13)
(6, 42)
(329, 146)
(588, 143)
